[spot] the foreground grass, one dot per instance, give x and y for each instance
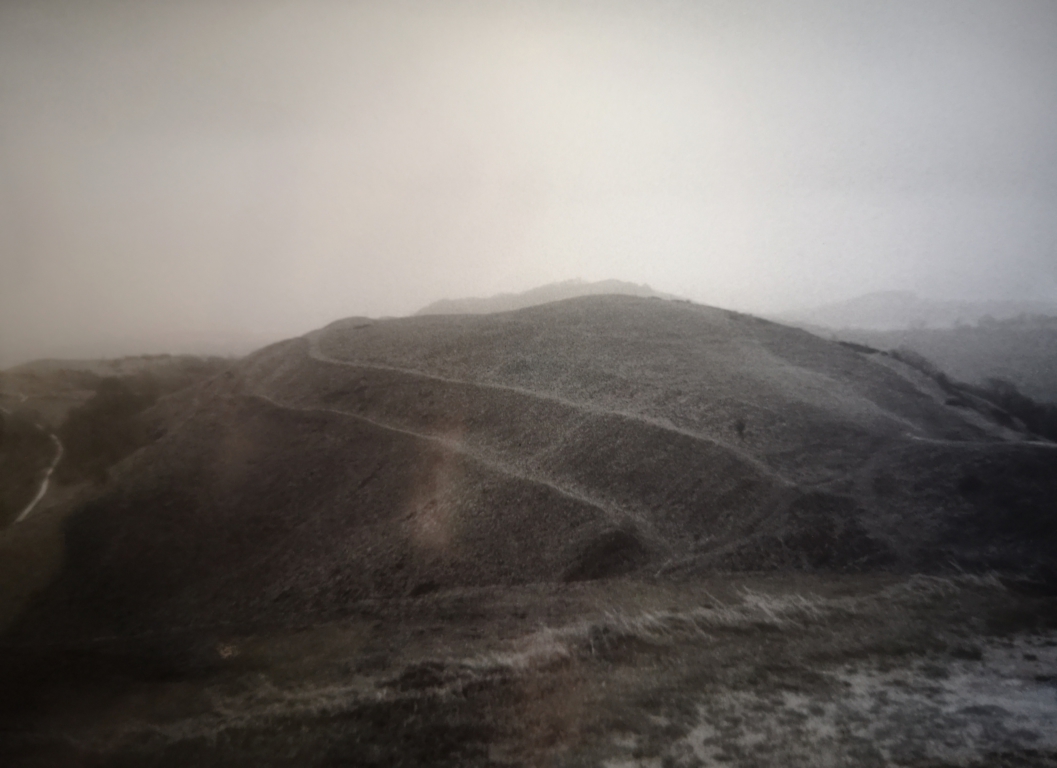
(745, 670)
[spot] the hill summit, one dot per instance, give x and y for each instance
(569, 289)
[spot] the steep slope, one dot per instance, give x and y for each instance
(576, 440)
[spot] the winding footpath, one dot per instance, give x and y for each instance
(316, 353)
(59, 450)
(47, 477)
(616, 515)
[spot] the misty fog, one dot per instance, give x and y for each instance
(211, 176)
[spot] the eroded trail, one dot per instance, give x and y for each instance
(617, 516)
(59, 450)
(940, 441)
(317, 354)
(47, 477)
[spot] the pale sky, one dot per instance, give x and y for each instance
(200, 176)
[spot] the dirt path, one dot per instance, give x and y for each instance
(47, 477)
(317, 354)
(939, 441)
(59, 450)
(618, 516)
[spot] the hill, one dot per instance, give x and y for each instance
(893, 310)
(91, 406)
(1021, 351)
(578, 440)
(506, 302)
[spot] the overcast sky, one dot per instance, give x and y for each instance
(189, 175)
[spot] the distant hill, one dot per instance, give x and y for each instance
(93, 406)
(1022, 351)
(583, 439)
(51, 387)
(569, 289)
(894, 310)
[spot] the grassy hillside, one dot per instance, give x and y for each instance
(578, 440)
(536, 538)
(743, 670)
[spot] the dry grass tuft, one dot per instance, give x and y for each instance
(555, 645)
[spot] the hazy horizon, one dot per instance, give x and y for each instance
(204, 176)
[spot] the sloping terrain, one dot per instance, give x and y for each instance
(51, 388)
(1022, 351)
(88, 410)
(577, 440)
